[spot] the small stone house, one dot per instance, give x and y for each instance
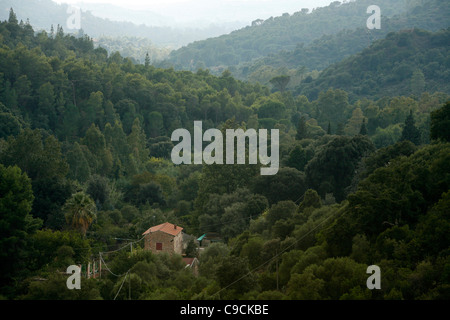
(165, 237)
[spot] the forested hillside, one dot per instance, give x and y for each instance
(310, 42)
(408, 62)
(332, 48)
(281, 33)
(85, 166)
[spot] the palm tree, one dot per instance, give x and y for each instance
(80, 210)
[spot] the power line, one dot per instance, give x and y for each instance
(107, 268)
(275, 256)
(125, 246)
(121, 284)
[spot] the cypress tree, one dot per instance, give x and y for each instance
(12, 17)
(410, 131)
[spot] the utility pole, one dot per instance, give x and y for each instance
(131, 243)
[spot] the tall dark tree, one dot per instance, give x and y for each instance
(147, 60)
(410, 131)
(302, 131)
(12, 17)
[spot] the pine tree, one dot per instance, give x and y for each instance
(147, 60)
(410, 131)
(329, 128)
(13, 26)
(353, 125)
(12, 17)
(59, 32)
(137, 141)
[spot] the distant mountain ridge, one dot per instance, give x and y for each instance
(433, 18)
(116, 13)
(285, 32)
(328, 49)
(44, 13)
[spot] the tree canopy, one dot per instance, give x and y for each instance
(363, 179)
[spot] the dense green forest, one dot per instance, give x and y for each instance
(85, 162)
(332, 48)
(301, 44)
(279, 33)
(408, 62)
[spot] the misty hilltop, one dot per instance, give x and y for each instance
(42, 14)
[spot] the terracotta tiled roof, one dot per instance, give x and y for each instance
(166, 227)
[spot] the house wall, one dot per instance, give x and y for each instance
(175, 246)
(178, 247)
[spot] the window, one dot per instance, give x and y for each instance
(158, 246)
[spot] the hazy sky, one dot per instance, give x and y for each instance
(223, 10)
